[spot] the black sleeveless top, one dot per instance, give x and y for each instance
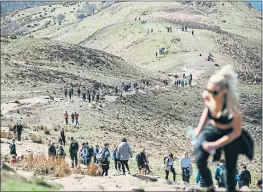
(225, 117)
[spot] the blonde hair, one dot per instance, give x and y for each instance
(142, 150)
(227, 78)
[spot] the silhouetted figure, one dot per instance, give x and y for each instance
(192, 32)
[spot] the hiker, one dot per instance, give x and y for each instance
(124, 150)
(63, 137)
(168, 166)
(156, 54)
(104, 159)
(84, 96)
(116, 90)
(89, 97)
(200, 180)
(12, 147)
(171, 29)
(85, 154)
(259, 183)
(93, 94)
(76, 117)
(135, 19)
(147, 83)
(185, 28)
(78, 92)
(66, 117)
(61, 152)
(13, 160)
(224, 132)
(139, 18)
(18, 130)
(245, 177)
(97, 97)
(96, 152)
(73, 151)
(143, 81)
(220, 174)
(70, 92)
(66, 92)
(151, 30)
(192, 32)
(186, 167)
(182, 28)
(72, 118)
(148, 171)
(141, 162)
(116, 158)
(182, 82)
(190, 79)
(52, 150)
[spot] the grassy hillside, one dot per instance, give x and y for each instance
(109, 47)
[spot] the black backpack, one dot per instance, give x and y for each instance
(140, 158)
(91, 152)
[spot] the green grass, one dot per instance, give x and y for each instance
(14, 185)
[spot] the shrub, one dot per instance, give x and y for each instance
(44, 165)
(10, 127)
(36, 139)
(46, 130)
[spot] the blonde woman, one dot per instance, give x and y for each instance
(220, 127)
(141, 162)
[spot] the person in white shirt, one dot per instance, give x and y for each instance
(186, 167)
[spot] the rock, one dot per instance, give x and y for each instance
(78, 176)
(145, 177)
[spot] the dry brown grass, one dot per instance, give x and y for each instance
(44, 165)
(8, 135)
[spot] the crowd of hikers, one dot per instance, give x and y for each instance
(219, 129)
(89, 94)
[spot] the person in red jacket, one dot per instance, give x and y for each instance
(76, 117)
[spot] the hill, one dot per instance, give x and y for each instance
(108, 47)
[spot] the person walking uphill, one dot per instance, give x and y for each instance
(63, 137)
(186, 167)
(168, 166)
(104, 159)
(73, 151)
(76, 117)
(125, 152)
(18, 130)
(223, 130)
(72, 118)
(245, 177)
(66, 117)
(220, 174)
(12, 147)
(116, 158)
(141, 162)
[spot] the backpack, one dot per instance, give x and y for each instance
(90, 152)
(102, 157)
(245, 176)
(74, 146)
(140, 159)
(222, 175)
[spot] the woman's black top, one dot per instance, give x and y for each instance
(224, 117)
